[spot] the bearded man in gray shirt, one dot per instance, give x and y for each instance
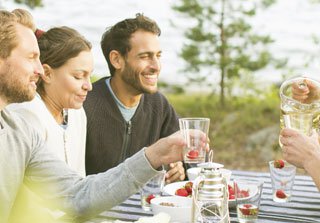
(24, 157)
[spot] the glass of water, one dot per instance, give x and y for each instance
(193, 131)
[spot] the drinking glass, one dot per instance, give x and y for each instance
(248, 195)
(193, 131)
(282, 180)
(153, 188)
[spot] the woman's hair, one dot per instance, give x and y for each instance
(58, 45)
(8, 30)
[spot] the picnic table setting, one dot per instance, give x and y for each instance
(303, 205)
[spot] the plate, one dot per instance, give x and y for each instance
(170, 189)
(253, 190)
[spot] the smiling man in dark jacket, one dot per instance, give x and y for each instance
(126, 111)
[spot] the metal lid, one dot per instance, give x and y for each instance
(212, 195)
(213, 181)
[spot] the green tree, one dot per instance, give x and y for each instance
(222, 38)
(30, 3)
(312, 57)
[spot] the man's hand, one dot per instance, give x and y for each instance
(306, 92)
(299, 149)
(166, 150)
(175, 173)
(302, 151)
(169, 149)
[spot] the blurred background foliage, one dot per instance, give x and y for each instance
(30, 3)
(221, 42)
(244, 115)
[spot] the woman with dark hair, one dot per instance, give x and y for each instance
(56, 112)
(57, 108)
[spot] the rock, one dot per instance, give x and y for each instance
(263, 141)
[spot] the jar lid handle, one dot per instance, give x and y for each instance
(211, 156)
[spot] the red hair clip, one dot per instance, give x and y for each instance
(38, 33)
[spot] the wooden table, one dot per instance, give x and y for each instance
(303, 207)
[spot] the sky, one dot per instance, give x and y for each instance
(291, 23)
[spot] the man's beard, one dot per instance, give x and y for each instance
(131, 77)
(12, 89)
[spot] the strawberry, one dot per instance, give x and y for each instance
(240, 193)
(278, 164)
(193, 154)
(188, 187)
(243, 193)
(149, 198)
(248, 209)
(231, 192)
(182, 192)
(245, 211)
(281, 194)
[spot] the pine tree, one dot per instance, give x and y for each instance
(222, 40)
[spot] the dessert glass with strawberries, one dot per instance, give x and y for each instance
(247, 194)
(153, 188)
(194, 131)
(282, 178)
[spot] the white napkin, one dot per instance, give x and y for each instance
(159, 218)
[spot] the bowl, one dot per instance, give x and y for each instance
(180, 211)
(193, 173)
(170, 189)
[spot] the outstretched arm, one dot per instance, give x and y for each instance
(85, 197)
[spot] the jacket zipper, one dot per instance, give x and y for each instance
(126, 141)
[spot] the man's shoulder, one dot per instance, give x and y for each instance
(21, 135)
(98, 92)
(17, 123)
(99, 84)
(11, 118)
